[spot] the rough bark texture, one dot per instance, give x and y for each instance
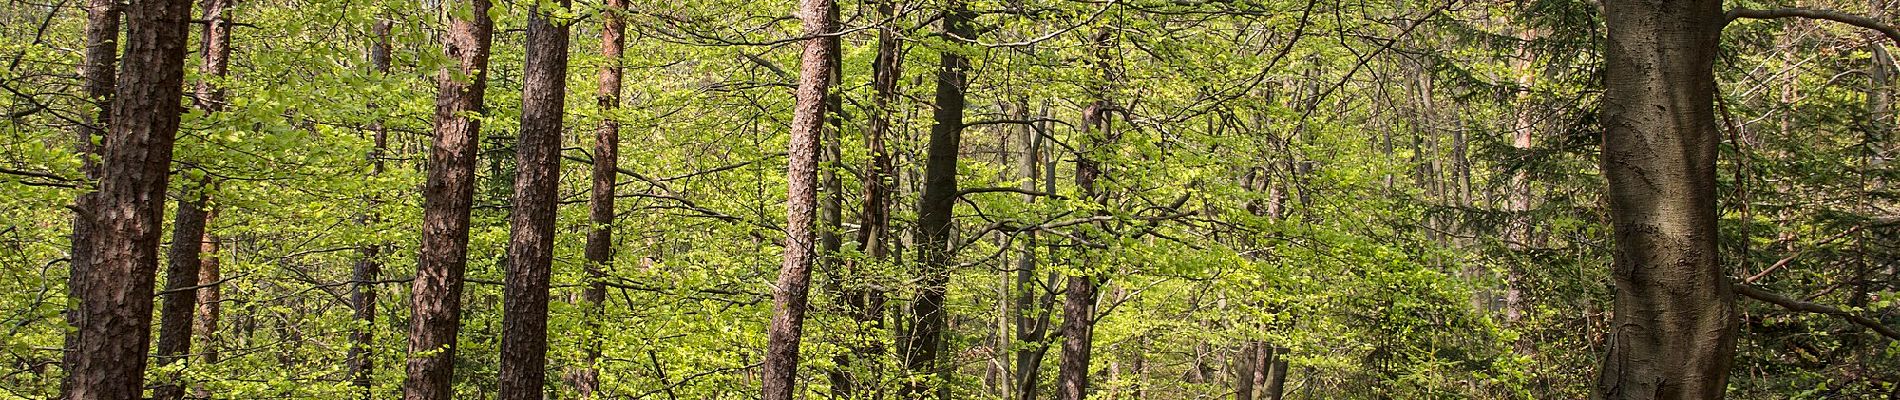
(102, 45)
(436, 305)
(116, 297)
(174, 321)
(1673, 333)
(369, 266)
(524, 336)
(600, 201)
(801, 202)
(934, 210)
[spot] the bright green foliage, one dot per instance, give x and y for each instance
(1337, 179)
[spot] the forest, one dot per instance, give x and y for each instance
(949, 199)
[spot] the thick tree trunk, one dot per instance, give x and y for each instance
(1673, 333)
(102, 45)
(934, 210)
(116, 298)
(174, 321)
(369, 266)
(794, 280)
(524, 337)
(600, 201)
(436, 305)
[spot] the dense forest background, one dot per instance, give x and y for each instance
(1164, 199)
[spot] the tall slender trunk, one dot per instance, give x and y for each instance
(600, 200)
(174, 332)
(205, 324)
(369, 266)
(524, 337)
(436, 303)
(934, 210)
(188, 228)
(102, 51)
(794, 280)
(1078, 302)
(1515, 303)
(1673, 331)
(866, 302)
(115, 302)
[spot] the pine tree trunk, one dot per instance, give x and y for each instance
(436, 305)
(524, 337)
(102, 46)
(1673, 333)
(116, 284)
(780, 368)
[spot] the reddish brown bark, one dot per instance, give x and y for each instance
(205, 325)
(116, 286)
(102, 45)
(436, 305)
(524, 336)
(794, 280)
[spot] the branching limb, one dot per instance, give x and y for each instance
(1798, 305)
(1884, 28)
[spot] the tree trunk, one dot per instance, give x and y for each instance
(867, 302)
(174, 321)
(600, 202)
(524, 338)
(369, 267)
(1244, 366)
(934, 210)
(209, 277)
(1276, 377)
(116, 297)
(794, 280)
(1078, 303)
(436, 305)
(1673, 335)
(102, 45)
(188, 228)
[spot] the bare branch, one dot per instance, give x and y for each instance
(1798, 305)
(1890, 31)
